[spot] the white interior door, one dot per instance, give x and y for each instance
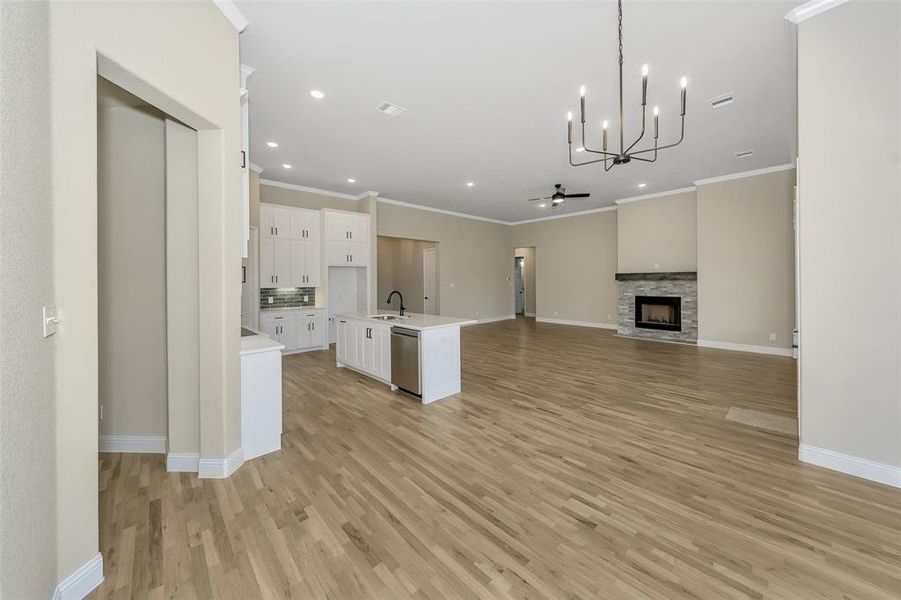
(430, 281)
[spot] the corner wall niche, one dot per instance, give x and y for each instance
(665, 304)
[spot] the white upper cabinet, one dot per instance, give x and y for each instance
(275, 222)
(304, 224)
(347, 239)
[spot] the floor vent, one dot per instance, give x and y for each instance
(391, 109)
(721, 101)
(744, 154)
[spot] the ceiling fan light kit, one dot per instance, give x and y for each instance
(626, 153)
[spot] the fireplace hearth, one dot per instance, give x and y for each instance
(658, 312)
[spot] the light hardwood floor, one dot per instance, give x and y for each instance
(575, 464)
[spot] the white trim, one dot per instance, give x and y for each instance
(182, 462)
(580, 213)
(234, 16)
(145, 444)
(256, 168)
(220, 468)
(743, 174)
(441, 211)
(576, 323)
(312, 190)
(493, 319)
(852, 465)
(683, 190)
(82, 582)
(528, 314)
(811, 9)
(745, 348)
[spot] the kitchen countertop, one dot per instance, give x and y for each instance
(251, 344)
(415, 321)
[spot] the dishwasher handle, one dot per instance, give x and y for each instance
(404, 331)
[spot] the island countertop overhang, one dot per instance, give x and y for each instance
(416, 321)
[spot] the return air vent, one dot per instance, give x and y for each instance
(721, 101)
(391, 109)
(744, 154)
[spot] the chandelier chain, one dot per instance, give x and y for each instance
(620, 32)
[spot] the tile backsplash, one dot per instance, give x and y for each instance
(287, 297)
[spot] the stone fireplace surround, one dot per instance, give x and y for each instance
(683, 284)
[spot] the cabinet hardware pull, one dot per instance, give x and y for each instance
(243, 159)
(351, 258)
(270, 230)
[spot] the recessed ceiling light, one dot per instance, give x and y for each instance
(287, 166)
(351, 180)
(580, 149)
(272, 144)
(470, 183)
(542, 205)
(318, 94)
(641, 185)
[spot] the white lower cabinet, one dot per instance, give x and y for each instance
(365, 346)
(300, 329)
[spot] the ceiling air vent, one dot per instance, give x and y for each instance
(721, 101)
(744, 154)
(391, 109)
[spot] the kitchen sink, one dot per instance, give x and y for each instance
(387, 317)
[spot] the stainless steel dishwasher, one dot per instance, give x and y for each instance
(405, 359)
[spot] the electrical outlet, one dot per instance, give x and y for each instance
(656, 265)
(772, 337)
(306, 298)
(608, 316)
(555, 313)
(452, 285)
(270, 299)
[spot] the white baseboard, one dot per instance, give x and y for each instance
(852, 465)
(577, 323)
(745, 348)
(80, 583)
(182, 462)
(494, 319)
(528, 314)
(220, 468)
(143, 444)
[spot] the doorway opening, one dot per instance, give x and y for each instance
(524, 293)
(412, 268)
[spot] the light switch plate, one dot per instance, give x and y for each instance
(50, 320)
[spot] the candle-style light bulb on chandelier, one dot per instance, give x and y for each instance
(626, 153)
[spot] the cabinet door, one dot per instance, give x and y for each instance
(336, 227)
(269, 327)
(298, 263)
(359, 228)
(319, 330)
(266, 228)
(281, 262)
(382, 347)
(267, 262)
(359, 335)
(298, 224)
(312, 265)
(312, 226)
(281, 222)
(358, 252)
(303, 333)
(336, 253)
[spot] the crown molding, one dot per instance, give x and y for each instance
(684, 190)
(580, 213)
(743, 174)
(442, 211)
(312, 190)
(234, 16)
(811, 9)
(256, 168)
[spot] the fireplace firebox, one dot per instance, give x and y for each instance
(658, 312)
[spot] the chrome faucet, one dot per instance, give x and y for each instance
(402, 307)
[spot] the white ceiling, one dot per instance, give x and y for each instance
(487, 86)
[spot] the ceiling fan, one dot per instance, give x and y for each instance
(559, 196)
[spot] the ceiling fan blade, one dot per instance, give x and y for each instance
(577, 195)
(534, 199)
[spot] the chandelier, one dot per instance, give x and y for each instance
(626, 153)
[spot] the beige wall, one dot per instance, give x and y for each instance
(658, 234)
(131, 256)
(271, 194)
(161, 52)
(28, 500)
(400, 268)
(746, 268)
(528, 278)
(575, 266)
(849, 78)
(474, 266)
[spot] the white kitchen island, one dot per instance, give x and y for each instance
(261, 394)
(364, 343)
